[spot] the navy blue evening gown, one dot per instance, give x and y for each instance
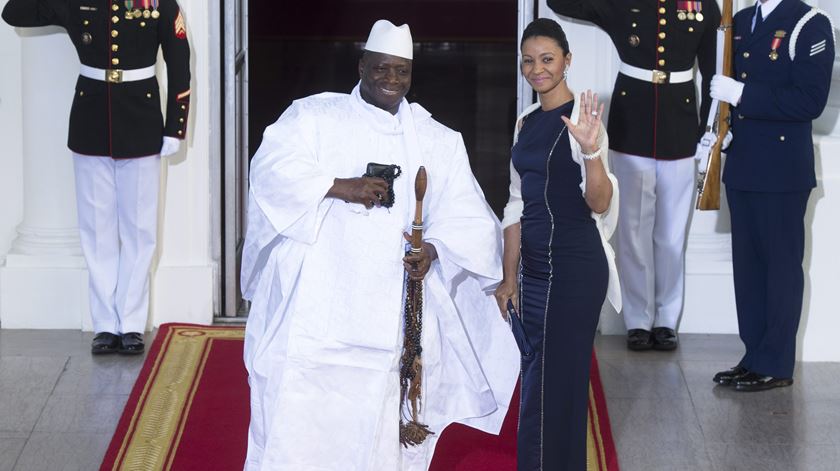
(563, 283)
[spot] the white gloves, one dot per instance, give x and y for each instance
(727, 139)
(170, 146)
(726, 89)
(704, 148)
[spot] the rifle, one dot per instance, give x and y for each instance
(412, 432)
(708, 182)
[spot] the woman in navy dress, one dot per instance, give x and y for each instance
(557, 264)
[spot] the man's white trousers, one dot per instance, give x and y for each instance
(116, 200)
(655, 203)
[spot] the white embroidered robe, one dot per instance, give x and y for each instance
(325, 278)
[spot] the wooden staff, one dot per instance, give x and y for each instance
(412, 432)
(708, 195)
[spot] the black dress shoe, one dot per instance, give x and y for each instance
(132, 343)
(751, 382)
(104, 342)
(639, 339)
(664, 338)
(727, 377)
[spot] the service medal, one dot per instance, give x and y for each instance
(147, 14)
(137, 13)
(698, 16)
(777, 41)
(634, 40)
(691, 15)
(155, 14)
(681, 15)
(86, 38)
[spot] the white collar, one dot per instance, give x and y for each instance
(381, 120)
(767, 7)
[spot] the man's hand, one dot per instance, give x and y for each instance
(704, 147)
(418, 264)
(366, 191)
(727, 139)
(170, 146)
(726, 89)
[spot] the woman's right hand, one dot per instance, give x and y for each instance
(588, 127)
(507, 290)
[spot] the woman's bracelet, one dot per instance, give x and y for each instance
(594, 155)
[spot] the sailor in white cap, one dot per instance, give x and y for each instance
(324, 266)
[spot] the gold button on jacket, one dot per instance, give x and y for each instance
(105, 38)
(654, 120)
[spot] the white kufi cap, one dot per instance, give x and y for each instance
(389, 39)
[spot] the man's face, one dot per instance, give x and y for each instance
(385, 80)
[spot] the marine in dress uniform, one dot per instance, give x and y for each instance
(117, 135)
(783, 58)
(654, 130)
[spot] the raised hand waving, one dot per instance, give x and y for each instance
(586, 130)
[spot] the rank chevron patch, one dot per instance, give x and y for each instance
(180, 27)
(818, 47)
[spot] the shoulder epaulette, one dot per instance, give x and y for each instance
(801, 24)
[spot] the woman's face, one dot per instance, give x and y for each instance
(543, 63)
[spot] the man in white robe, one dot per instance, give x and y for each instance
(324, 267)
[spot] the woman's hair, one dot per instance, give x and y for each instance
(548, 28)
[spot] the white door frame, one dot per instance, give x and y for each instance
(234, 161)
(524, 94)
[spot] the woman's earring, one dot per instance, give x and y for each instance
(565, 74)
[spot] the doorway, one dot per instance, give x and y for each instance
(465, 74)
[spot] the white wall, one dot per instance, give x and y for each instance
(708, 261)
(11, 164)
(710, 301)
(183, 275)
(182, 288)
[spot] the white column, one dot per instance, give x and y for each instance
(820, 324)
(43, 279)
(184, 276)
(709, 305)
(43, 283)
(828, 123)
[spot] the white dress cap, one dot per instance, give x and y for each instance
(389, 39)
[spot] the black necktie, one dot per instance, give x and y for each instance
(759, 18)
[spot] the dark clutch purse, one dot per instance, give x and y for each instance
(389, 173)
(518, 330)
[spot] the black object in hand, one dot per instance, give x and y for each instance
(389, 173)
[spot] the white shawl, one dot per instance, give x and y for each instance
(606, 221)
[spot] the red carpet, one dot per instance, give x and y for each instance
(189, 410)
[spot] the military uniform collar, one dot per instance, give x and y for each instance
(767, 7)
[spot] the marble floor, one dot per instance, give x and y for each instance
(59, 407)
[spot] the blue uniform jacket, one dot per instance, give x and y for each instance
(772, 149)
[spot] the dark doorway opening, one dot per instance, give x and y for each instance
(464, 69)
